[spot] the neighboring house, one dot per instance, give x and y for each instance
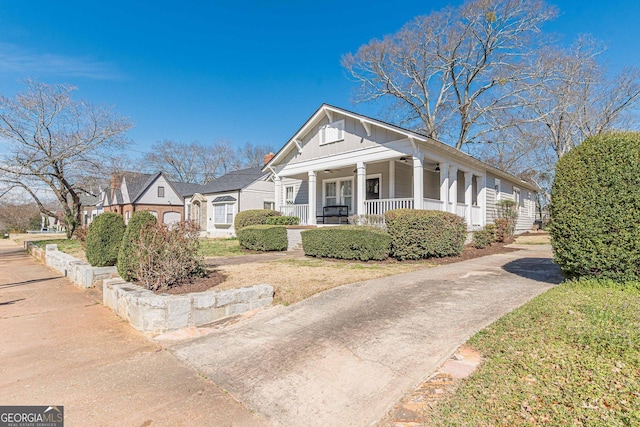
(342, 158)
(214, 205)
(131, 192)
(91, 207)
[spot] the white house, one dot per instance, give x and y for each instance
(342, 158)
(215, 205)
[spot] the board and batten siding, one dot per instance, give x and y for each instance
(355, 138)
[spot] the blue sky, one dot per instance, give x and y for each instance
(243, 71)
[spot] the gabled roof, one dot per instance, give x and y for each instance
(232, 181)
(328, 110)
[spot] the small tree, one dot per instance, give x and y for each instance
(104, 238)
(595, 209)
(127, 261)
(507, 218)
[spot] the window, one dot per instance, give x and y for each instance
(338, 192)
(223, 213)
(126, 217)
(373, 188)
(269, 205)
(332, 132)
(289, 192)
(497, 187)
(160, 191)
(517, 197)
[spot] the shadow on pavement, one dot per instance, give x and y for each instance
(540, 269)
(26, 282)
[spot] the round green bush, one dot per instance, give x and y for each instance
(127, 261)
(595, 208)
(347, 242)
(103, 239)
(417, 234)
(263, 237)
(253, 217)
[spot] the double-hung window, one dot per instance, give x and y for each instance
(339, 192)
(223, 213)
(289, 195)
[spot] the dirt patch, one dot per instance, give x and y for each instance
(199, 284)
(533, 238)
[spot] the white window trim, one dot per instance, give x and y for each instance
(226, 212)
(293, 193)
(339, 200)
(339, 125)
(498, 189)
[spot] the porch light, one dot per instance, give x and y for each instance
(438, 167)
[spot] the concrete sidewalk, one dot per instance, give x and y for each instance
(344, 357)
(60, 346)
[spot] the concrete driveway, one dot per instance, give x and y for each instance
(345, 356)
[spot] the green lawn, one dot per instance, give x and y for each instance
(220, 247)
(570, 357)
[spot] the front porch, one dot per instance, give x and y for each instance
(404, 182)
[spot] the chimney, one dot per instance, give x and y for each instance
(116, 181)
(268, 157)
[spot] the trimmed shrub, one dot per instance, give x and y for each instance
(127, 262)
(263, 237)
(103, 239)
(253, 217)
(283, 220)
(484, 237)
(348, 242)
(167, 255)
(595, 208)
(417, 234)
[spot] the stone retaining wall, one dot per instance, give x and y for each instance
(149, 312)
(79, 272)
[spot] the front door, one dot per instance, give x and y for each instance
(373, 188)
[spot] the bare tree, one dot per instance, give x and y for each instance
(252, 156)
(447, 73)
(575, 97)
(18, 215)
(53, 142)
(194, 162)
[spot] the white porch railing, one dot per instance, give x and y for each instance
(461, 210)
(380, 206)
(433, 205)
(476, 215)
(301, 211)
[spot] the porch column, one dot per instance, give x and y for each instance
(278, 192)
(362, 184)
(392, 179)
(444, 185)
(468, 176)
(453, 188)
(418, 182)
(482, 199)
(311, 220)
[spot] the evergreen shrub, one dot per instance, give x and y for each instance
(103, 239)
(348, 242)
(263, 237)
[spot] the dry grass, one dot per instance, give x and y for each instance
(298, 279)
(539, 238)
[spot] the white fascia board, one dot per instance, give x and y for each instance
(387, 151)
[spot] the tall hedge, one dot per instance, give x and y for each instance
(348, 242)
(253, 217)
(263, 237)
(127, 262)
(595, 208)
(103, 239)
(417, 234)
